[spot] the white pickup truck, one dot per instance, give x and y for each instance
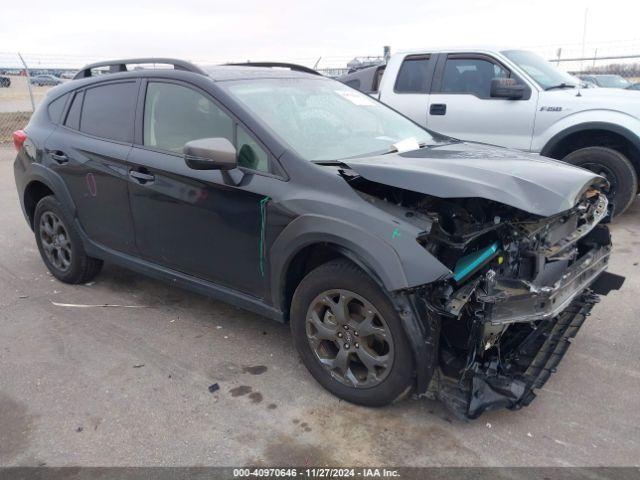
(516, 99)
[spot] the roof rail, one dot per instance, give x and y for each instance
(121, 65)
(290, 66)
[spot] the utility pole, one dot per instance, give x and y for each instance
(584, 36)
(26, 69)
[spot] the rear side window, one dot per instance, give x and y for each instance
(73, 116)
(108, 111)
(413, 76)
(56, 107)
(175, 115)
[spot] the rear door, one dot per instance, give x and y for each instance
(89, 150)
(461, 106)
(410, 92)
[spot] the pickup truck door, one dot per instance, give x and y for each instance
(460, 104)
(406, 83)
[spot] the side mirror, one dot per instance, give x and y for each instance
(506, 88)
(210, 154)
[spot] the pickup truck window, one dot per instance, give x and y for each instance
(413, 76)
(543, 73)
(321, 119)
(471, 75)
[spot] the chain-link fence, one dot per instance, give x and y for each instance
(24, 82)
(15, 101)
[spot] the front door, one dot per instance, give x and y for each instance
(460, 104)
(191, 220)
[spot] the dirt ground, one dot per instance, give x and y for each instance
(15, 105)
(130, 386)
(16, 97)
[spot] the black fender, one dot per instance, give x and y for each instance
(372, 254)
(605, 126)
(36, 172)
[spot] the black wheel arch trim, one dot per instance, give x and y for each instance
(377, 259)
(553, 143)
(41, 174)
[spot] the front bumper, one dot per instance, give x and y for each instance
(511, 301)
(527, 367)
(535, 325)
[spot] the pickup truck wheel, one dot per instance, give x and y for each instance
(615, 167)
(60, 244)
(349, 335)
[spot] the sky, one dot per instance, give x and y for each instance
(303, 31)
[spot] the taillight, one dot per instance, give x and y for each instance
(18, 138)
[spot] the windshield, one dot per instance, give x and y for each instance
(543, 72)
(322, 119)
(612, 81)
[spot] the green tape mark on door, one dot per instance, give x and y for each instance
(262, 241)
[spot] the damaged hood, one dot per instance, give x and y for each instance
(535, 184)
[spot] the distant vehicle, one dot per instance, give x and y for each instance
(515, 99)
(45, 80)
(586, 83)
(5, 82)
(606, 81)
(634, 86)
(67, 75)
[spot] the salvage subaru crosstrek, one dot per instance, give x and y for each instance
(404, 261)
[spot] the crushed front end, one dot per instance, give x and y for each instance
(521, 285)
(521, 288)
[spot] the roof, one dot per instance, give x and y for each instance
(217, 72)
(235, 72)
(458, 49)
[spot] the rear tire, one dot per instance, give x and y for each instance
(60, 244)
(369, 363)
(615, 167)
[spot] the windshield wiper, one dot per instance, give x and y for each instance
(561, 85)
(329, 163)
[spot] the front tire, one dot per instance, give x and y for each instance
(350, 336)
(60, 244)
(615, 167)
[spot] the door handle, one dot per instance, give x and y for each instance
(58, 156)
(438, 109)
(141, 177)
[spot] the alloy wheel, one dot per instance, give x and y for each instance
(350, 338)
(55, 241)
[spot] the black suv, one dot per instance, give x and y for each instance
(403, 260)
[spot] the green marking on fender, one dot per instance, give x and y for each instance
(262, 241)
(395, 234)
